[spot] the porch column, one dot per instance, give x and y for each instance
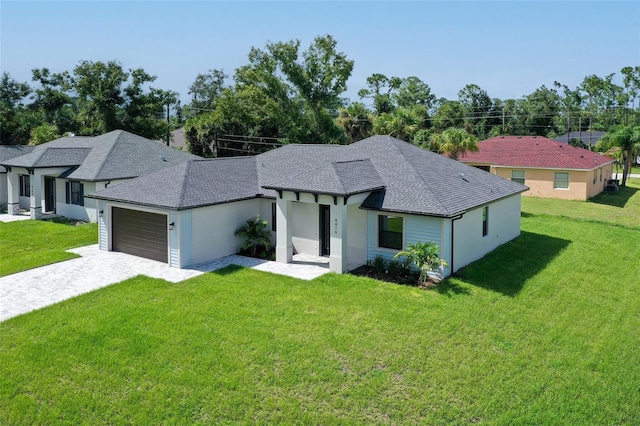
(338, 258)
(35, 203)
(13, 193)
(284, 231)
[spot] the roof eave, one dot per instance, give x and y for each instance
(173, 208)
(332, 194)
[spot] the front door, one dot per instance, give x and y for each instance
(49, 194)
(325, 230)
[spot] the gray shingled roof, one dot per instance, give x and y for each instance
(586, 136)
(114, 155)
(412, 180)
(8, 152)
(191, 184)
(335, 178)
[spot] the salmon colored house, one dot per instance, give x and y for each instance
(549, 168)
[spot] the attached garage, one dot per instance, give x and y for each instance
(140, 233)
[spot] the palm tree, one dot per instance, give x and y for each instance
(402, 123)
(256, 233)
(454, 141)
(356, 121)
(627, 139)
(424, 256)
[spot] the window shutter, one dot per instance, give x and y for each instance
(81, 195)
(68, 191)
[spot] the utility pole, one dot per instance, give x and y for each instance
(503, 119)
(168, 126)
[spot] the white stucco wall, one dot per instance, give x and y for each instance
(306, 225)
(503, 226)
(356, 236)
(87, 212)
(213, 228)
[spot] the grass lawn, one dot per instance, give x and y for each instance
(621, 208)
(31, 243)
(543, 330)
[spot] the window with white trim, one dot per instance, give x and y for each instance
(518, 176)
(25, 186)
(560, 180)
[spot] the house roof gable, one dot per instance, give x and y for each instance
(7, 152)
(114, 155)
(334, 178)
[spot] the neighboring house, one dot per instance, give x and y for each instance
(54, 177)
(8, 152)
(589, 138)
(549, 168)
(350, 203)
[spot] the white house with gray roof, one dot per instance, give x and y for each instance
(350, 203)
(54, 177)
(8, 152)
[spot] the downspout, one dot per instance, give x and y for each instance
(452, 239)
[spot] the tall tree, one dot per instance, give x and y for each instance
(99, 88)
(380, 89)
(282, 93)
(12, 110)
(476, 104)
(631, 81)
(542, 107)
(449, 114)
(411, 92)
(205, 91)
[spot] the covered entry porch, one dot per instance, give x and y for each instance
(317, 226)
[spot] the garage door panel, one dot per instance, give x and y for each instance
(140, 233)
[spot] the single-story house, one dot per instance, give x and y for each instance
(54, 177)
(8, 152)
(549, 168)
(350, 203)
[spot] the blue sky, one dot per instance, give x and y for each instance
(508, 48)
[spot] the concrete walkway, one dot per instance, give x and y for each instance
(44, 286)
(13, 218)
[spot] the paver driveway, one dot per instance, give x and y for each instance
(40, 287)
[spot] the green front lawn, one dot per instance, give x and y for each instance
(620, 208)
(542, 331)
(28, 244)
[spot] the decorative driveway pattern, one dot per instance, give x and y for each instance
(44, 286)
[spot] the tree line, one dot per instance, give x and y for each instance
(287, 94)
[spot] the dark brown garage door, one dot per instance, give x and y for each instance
(140, 233)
